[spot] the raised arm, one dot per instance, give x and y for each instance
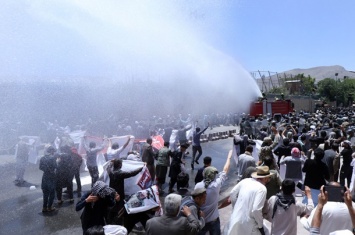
(317, 217)
(293, 130)
(349, 203)
(228, 162)
(201, 132)
(125, 145)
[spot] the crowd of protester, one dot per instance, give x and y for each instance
(315, 149)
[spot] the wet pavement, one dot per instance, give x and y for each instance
(21, 208)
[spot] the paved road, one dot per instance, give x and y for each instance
(20, 207)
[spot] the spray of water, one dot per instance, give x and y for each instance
(134, 56)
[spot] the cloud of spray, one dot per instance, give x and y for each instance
(149, 43)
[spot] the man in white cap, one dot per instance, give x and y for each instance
(170, 223)
(194, 202)
(248, 199)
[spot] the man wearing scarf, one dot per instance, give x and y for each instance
(282, 209)
(95, 204)
(212, 182)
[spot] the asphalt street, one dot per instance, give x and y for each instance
(20, 207)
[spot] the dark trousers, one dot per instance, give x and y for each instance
(213, 227)
(94, 173)
(77, 179)
(161, 172)
(65, 183)
(131, 219)
(48, 196)
(115, 214)
(346, 173)
(172, 183)
(196, 149)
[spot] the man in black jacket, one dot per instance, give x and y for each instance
(206, 163)
(283, 150)
(117, 177)
(48, 165)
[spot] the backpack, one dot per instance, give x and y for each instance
(188, 201)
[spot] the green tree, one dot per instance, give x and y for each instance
(328, 88)
(343, 92)
(277, 90)
(307, 84)
(346, 93)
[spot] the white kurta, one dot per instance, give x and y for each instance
(352, 188)
(249, 196)
(335, 216)
(285, 221)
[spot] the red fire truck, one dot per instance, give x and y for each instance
(276, 106)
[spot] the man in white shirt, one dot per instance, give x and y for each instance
(113, 152)
(317, 216)
(335, 216)
(248, 198)
(282, 209)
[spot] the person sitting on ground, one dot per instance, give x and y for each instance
(170, 223)
(282, 209)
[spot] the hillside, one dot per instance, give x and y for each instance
(319, 73)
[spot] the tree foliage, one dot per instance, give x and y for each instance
(328, 88)
(341, 91)
(307, 84)
(277, 90)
